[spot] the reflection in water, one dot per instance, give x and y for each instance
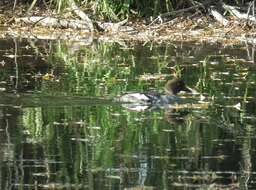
(59, 128)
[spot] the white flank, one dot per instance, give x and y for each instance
(134, 97)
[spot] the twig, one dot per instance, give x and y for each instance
(14, 4)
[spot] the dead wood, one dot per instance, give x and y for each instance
(112, 28)
(219, 17)
(233, 11)
(55, 22)
(81, 14)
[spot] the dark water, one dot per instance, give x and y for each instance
(60, 129)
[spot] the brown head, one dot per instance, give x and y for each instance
(176, 85)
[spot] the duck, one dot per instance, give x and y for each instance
(153, 100)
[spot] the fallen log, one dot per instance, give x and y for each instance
(109, 27)
(55, 22)
(112, 28)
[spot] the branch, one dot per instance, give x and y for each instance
(233, 11)
(218, 16)
(81, 14)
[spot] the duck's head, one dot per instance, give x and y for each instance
(176, 85)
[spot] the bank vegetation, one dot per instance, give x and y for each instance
(139, 20)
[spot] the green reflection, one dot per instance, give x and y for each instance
(60, 127)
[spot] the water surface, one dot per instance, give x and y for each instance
(61, 129)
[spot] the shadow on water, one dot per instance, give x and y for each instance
(60, 128)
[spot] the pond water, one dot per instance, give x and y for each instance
(61, 129)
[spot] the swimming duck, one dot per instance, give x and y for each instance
(152, 100)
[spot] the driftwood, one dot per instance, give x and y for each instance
(112, 28)
(54, 22)
(84, 24)
(233, 11)
(81, 14)
(218, 16)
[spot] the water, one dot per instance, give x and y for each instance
(61, 129)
